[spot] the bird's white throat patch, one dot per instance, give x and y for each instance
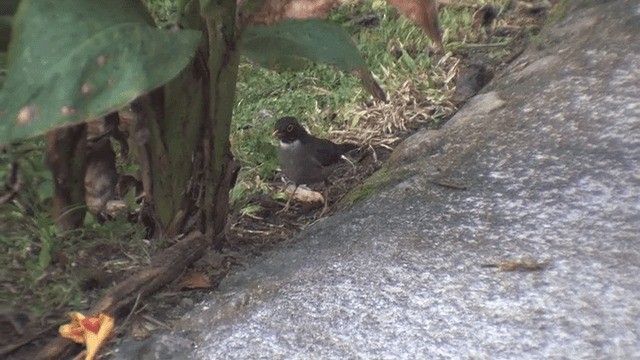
(290, 146)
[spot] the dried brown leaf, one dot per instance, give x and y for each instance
(195, 280)
(525, 264)
(424, 13)
(273, 11)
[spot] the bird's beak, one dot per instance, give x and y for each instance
(276, 133)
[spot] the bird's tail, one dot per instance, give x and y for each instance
(346, 147)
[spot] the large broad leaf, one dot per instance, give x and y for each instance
(422, 12)
(75, 60)
(286, 43)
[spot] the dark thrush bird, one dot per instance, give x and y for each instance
(304, 158)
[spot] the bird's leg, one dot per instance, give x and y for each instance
(286, 207)
(291, 197)
(325, 197)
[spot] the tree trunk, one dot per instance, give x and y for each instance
(223, 59)
(66, 158)
(185, 130)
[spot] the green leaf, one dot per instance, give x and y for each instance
(45, 190)
(286, 44)
(76, 60)
(408, 61)
(250, 209)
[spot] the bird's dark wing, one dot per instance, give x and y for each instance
(326, 152)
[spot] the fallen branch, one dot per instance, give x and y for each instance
(165, 267)
(8, 349)
(483, 46)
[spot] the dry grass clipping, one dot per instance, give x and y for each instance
(411, 105)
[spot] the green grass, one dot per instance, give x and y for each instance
(43, 269)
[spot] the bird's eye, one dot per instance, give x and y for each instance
(289, 128)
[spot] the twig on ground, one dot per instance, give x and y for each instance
(165, 267)
(448, 185)
(156, 322)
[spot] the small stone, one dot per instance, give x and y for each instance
(186, 303)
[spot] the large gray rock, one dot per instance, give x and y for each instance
(549, 154)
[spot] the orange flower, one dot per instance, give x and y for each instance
(93, 331)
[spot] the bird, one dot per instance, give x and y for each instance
(304, 158)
